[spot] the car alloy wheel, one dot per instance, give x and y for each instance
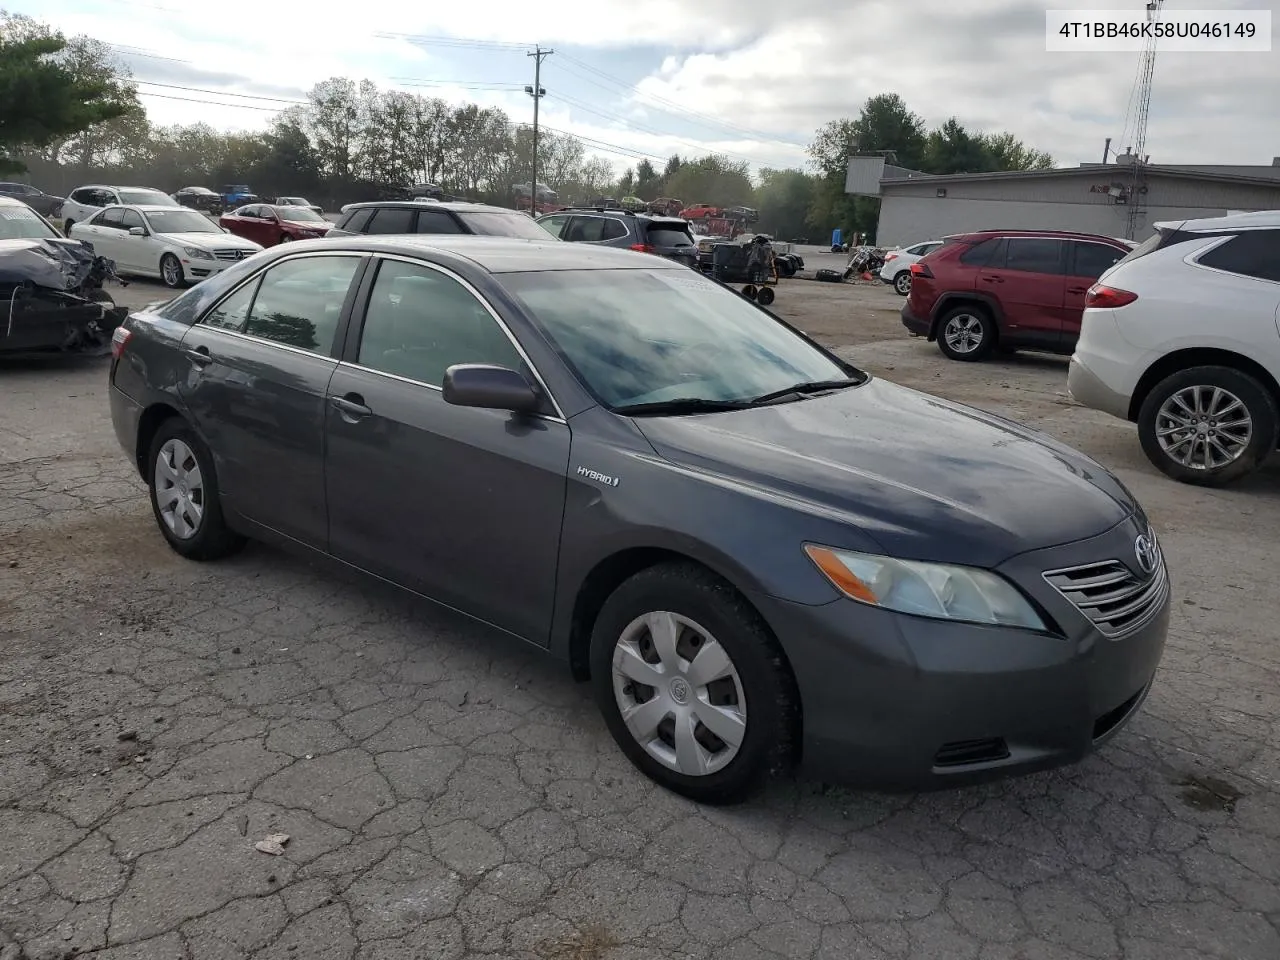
(902, 283)
(1208, 425)
(966, 333)
(179, 486)
(170, 270)
(1204, 427)
(679, 693)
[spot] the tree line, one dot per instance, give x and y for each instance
(350, 140)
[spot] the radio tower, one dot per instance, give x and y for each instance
(1137, 188)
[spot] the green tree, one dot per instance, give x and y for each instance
(783, 199)
(1010, 153)
(648, 183)
(952, 149)
(713, 179)
(46, 95)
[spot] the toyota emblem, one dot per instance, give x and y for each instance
(1148, 554)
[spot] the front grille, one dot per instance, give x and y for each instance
(1115, 599)
(230, 254)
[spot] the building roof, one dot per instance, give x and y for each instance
(1094, 171)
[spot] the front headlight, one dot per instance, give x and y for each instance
(937, 590)
(195, 253)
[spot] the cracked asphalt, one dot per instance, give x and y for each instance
(448, 793)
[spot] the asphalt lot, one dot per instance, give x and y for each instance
(450, 794)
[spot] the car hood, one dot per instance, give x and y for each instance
(925, 478)
(208, 241)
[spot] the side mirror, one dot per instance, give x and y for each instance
(137, 232)
(490, 387)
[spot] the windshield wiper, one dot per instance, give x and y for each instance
(682, 405)
(799, 389)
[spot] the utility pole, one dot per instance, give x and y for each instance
(537, 91)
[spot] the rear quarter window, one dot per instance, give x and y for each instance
(1254, 253)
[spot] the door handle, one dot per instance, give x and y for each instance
(993, 279)
(199, 356)
(351, 406)
(1077, 290)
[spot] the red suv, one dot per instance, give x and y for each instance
(1006, 289)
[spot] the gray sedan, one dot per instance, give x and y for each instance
(756, 552)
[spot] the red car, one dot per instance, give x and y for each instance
(1006, 289)
(700, 211)
(269, 225)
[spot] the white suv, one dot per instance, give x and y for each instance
(1182, 336)
(897, 264)
(83, 202)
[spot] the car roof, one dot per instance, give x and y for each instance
(424, 203)
(500, 254)
(1260, 219)
(1049, 234)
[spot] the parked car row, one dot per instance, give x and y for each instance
(1179, 334)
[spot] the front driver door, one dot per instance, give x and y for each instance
(260, 364)
(460, 504)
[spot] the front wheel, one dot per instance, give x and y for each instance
(764, 296)
(66, 228)
(692, 685)
(171, 271)
(966, 333)
(902, 283)
(184, 494)
(1208, 426)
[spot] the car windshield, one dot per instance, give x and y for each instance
(647, 336)
(23, 223)
(299, 214)
(291, 202)
(146, 196)
(504, 225)
(181, 221)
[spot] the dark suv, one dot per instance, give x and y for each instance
(668, 237)
(431, 216)
(1006, 288)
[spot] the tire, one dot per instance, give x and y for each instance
(749, 291)
(285, 238)
(171, 272)
(902, 283)
(757, 700)
(196, 528)
(981, 337)
(765, 296)
(66, 228)
(1222, 390)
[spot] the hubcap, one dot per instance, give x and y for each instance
(179, 489)
(170, 272)
(1204, 427)
(963, 333)
(679, 693)
(903, 283)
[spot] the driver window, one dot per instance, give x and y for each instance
(420, 322)
(131, 219)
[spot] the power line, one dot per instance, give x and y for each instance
(220, 93)
(211, 103)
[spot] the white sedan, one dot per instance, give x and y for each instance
(178, 245)
(897, 264)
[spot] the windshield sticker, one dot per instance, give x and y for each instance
(678, 280)
(14, 214)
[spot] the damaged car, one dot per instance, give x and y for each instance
(51, 288)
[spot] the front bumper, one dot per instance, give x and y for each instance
(919, 326)
(201, 268)
(899, 702)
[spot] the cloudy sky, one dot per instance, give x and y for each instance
(752, 79)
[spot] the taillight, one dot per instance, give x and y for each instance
(1102, 296)
(119, 340)
(921, 270)
(642, 248)
(892, 256)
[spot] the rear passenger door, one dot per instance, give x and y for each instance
(1087, 261)
(260, 364)
(1028, 279)
(437, 221)
(460, 504)
(391, 220)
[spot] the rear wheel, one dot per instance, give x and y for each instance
(184, 494)
(966, 333)
(764, 296)
(902, 283)
(66, 227)
(692, 685)
(1208, 426)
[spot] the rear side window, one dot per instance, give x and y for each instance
(587, 229)
(392, 220)
(669, 237)
(357, 220)
(1254, 253)
(1092, 260)
(1034, 255)
(980, 254)
(437, 221)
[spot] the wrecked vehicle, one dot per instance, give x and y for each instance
(51, 288)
